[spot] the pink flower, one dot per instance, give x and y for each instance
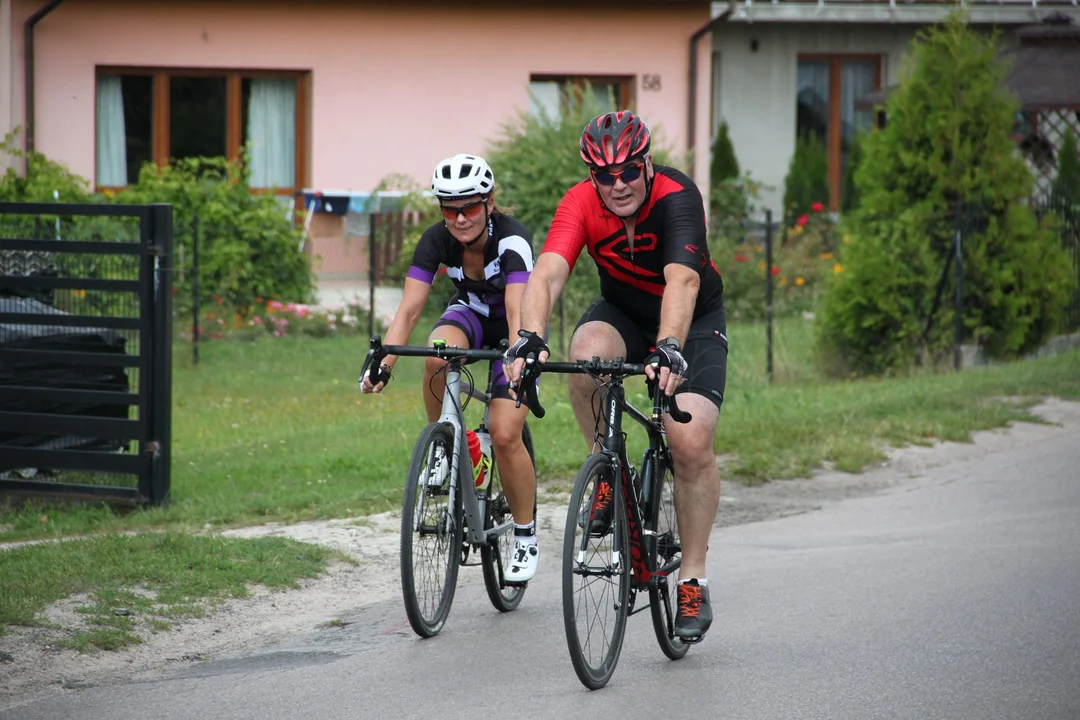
(803, 219)
(817, 207)
(739, 257)
(775, 270)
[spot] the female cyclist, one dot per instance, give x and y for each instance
(489, 256)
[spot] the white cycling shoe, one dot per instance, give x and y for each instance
(523, 564)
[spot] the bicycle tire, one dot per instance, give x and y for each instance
(427, 613)
(504, 598)
(594, 674)
(663, 598)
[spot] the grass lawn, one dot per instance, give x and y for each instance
(277, 429)
(146, 582)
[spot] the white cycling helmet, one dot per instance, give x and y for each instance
(462, 176)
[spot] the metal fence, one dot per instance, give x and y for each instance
(958, 224)
(85, 350)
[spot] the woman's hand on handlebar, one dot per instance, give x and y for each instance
(383, 377)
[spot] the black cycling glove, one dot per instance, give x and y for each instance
(668, 354)
(528, 343)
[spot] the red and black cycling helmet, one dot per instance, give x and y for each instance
(614, 138)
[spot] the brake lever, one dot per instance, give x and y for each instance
(371, 368)
(526, 390)
(677, 414)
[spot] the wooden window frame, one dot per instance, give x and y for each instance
(834, 141)
(625, 83)
(234, 130)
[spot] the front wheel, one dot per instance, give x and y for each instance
(431, 532)
(596, 572)
(663, 598)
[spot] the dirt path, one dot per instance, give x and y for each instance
(32, 664)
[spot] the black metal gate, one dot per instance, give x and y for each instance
(86, 350)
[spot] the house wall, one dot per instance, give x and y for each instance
(9, 111)
(393, 89)
(757, 90)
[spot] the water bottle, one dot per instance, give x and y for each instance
(485, 454)
(479, 453)
(475, 455)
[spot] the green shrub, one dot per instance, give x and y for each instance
(43, 181)
(724, 165)
(946, 143)
(849, 194)
(802, 260)
(807, 180)
(248, 247)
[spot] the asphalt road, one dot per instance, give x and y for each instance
(955, 594)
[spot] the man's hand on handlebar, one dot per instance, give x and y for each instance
(527, 344)
(666, 365)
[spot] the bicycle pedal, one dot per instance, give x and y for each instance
(689, 641)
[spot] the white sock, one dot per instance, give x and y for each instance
(525, 533)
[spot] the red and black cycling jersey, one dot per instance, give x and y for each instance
(670, 229)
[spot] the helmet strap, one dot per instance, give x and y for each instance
(486, 229)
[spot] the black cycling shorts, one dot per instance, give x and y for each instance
(705, 352)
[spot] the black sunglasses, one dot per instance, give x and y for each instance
(628, 174)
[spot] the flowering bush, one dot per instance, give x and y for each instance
(279, 319)
(803, 256)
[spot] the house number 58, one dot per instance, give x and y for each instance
(650, 82)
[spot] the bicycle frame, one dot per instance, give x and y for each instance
(452, 414)
(638, 500)
(636, 496)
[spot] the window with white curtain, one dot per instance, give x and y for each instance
(551, 93)
(270, 131)
(123, 128)
(202, 113)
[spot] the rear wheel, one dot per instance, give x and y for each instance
(431, 532)
(596, 573)
(495, 555)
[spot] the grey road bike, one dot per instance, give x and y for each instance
(446, 520)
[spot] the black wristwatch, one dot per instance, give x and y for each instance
(670, 342)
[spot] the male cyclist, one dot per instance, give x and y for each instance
(661, 301)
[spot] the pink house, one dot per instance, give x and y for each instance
(333, 95)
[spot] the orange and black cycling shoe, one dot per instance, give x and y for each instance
(602, 506)
(694, 616)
